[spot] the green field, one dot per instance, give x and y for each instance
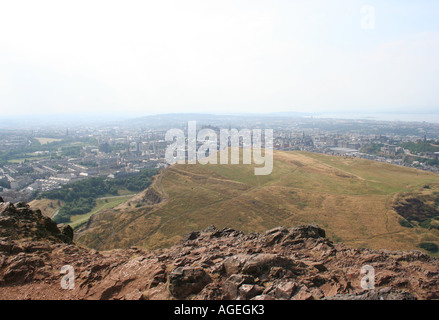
(101, 204)
(352, 199)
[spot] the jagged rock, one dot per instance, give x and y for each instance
(248, 291)
(1, 200)
(224, 233)
(235, 263)
(262, 263)
(275, 235)
(210, 229)
(191, 236)
(297, 263)
(285, 290)
(67, 231)
(152, 197)
(184, 281)
(231, 285)
(263, 297)
(303, 294)
(307, 231)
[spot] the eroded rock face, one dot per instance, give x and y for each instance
(19, 222)
(296, 264)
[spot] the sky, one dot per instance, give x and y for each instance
(150, 57)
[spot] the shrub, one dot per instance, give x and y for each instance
(405, 223)
(429, 246)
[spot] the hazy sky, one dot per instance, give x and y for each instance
(147, 57)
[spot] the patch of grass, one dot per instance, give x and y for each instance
(352, 198)
(101, 205)
(405, 223)
(429, 246)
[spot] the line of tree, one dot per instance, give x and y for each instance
(420, 146)
(52, 148)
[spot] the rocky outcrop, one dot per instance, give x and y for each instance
(184, 281)
(298, 264)
(151, 196)
(19, 222)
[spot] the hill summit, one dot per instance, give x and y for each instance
(297, 263)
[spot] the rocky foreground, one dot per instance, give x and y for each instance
(298, 263)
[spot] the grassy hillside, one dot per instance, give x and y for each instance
(353, 199)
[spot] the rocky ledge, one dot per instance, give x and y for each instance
(298, 263)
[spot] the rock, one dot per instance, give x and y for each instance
(262, 263)
(210, 229)
(1, 199)
(231, 285)
(20, 222)
(67, 231)
(191, 236)
(330, 289)
(235, 263)
(275, 235)
(134, 295)
(297, 263)
(19, 205)
(21, 268)
(303, 294)
(263, 297)
(225, 232)
(184, 281)
(285, 290)
(248, 291)
(307, 232)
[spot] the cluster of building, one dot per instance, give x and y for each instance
(111, 158)
(118, 151)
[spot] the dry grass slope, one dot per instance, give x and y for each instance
(352, 199)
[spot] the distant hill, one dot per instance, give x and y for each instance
(178, 120)
(357, 201)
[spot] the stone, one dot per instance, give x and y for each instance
(275, 235)
(285, 290)
(303, 294)
(261, 263)
(184, 281)
(248, 291)
(307, 231)
(235, 263)
(263, 297)
(297, 263)
(231, 285)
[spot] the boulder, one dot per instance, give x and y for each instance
(311, 231)
(184, 281)
(248, 291)
(235, 263)
(285, 290)
(259, 264)
(231, 285)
